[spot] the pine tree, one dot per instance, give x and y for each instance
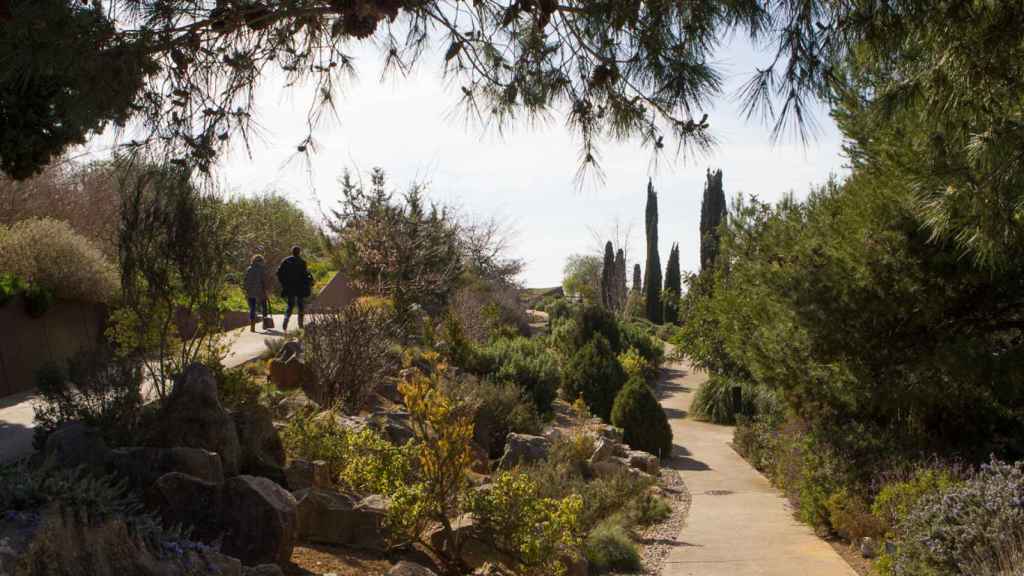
(637, 286)
(620, 280)
(608, 277)
(712, 213)
(652, 280)
(673, 286)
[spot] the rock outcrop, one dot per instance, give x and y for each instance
(523, 449)
(259, 521)
(406, 568)
(327, 517)
(261, 452)
(142, 466)
(189, 502)
(192, 416)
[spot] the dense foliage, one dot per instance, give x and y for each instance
(594, 373)
(643, 422)
(49, 254)
(526, 362)
(713, 211)
(581, 278)
(673, 287)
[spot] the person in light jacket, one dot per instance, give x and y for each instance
(256, 291)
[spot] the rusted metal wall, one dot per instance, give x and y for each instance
(27, 343)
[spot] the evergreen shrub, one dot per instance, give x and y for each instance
(643, 422)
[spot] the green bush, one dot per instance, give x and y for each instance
(38, 300)
(609, 547)
(527, 362)
(896, 500)
(316, 438)
(558, 309)
(850, 516)
(49, 254)
(714, 400)
(10, 286)
(644, 343)
(643, 422)
(594, 373)
(755, 438)
(96, 388)
(593, 320)
(648, 509)
(947, 530)
(498, 408)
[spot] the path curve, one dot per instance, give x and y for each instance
(739, 525)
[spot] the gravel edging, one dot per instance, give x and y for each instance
(658, 540)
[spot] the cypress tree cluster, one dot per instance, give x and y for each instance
(673, 286)
(713, 211)
(652, 280)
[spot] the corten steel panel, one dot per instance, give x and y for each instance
(26, 343)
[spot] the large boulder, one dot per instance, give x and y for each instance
(302, 474)
(327, 517)
(187, 501)
(259, 521)
(52, 543)
(406, 568)
(475, 551)
(192, 416)
(261, 450)
(523, 449)
(76, 444)
(142, 466)
(291, 374)
(603, 450)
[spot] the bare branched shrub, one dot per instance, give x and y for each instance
(350, 352)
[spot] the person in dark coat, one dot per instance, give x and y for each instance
(255, 285)
(296, 284)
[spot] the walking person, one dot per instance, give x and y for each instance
(255, 284)
(296, 284)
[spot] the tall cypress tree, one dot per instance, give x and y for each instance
(652, 279)
(608, 277)
(620, 280)
(673, 286)
(637, 278)
(713, 211)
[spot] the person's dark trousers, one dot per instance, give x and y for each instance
(295, 302)
(252, 308)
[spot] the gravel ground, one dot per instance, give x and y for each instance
(657, 540)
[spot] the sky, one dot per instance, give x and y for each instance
(525, 177)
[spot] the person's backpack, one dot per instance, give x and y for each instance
(307, 285)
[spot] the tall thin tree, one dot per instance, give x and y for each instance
(608, 277)
(673, 286)
(713, 210)
(637, 278)
(620, 280)
(652, 279)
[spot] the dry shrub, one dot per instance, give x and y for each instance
(350, 352)
(485, 309)
(49, 253)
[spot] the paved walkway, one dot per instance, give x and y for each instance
(739, 525)
(16, 411)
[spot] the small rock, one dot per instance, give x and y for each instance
(263, 570)
(187, 501)
(302, 474)
(868, 547)
(643, 461)
(290, 349)
(523, 449)
(393, 425)
(259, 521)
(389, 389)
(603, 450)
(296, 403)
(406, 568)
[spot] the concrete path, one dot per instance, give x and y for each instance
(16, 411)
(739, 525)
